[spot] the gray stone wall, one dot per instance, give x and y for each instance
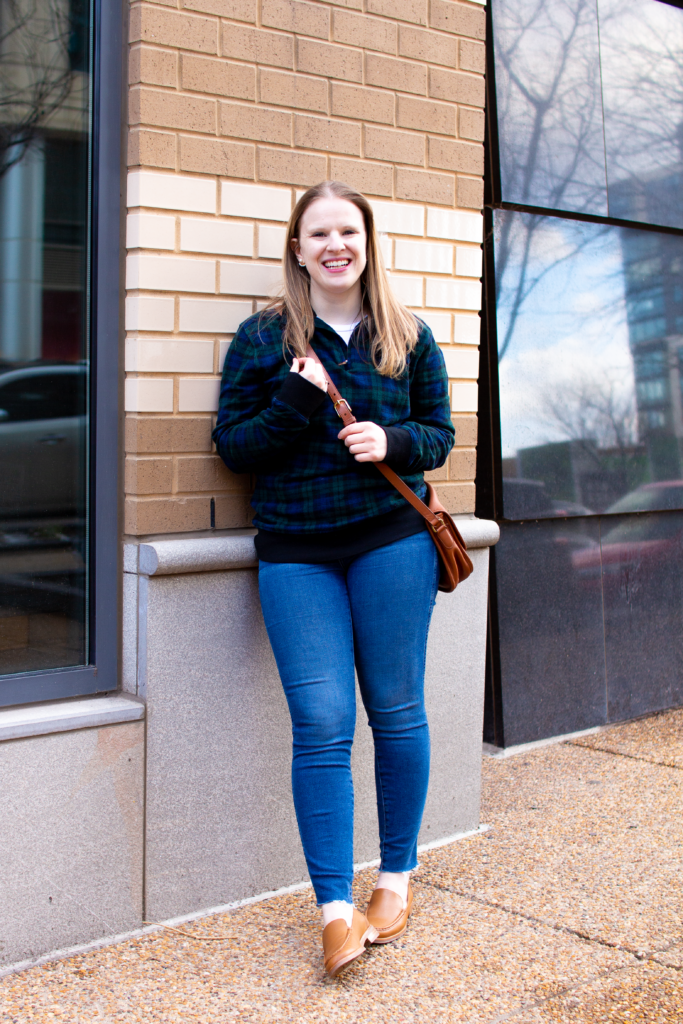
(71, 819)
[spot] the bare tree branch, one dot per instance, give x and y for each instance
(35, 73)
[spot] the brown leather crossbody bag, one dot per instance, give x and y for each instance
(456, 564)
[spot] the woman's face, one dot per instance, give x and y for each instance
(333, 245)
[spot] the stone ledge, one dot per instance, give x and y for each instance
(65, 716)
(191, 553)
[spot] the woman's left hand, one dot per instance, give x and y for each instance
(366, 441)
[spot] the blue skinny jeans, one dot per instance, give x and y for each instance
(372, 611)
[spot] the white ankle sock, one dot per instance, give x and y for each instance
(396, 881)
(337, 909)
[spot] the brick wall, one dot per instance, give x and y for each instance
(235, 107)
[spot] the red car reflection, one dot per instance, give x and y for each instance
(643, 546)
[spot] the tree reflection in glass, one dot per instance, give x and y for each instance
(549, 105)
(641, 52)
(590, 354)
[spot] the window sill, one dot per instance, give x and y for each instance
(66, 716)
(235, 549)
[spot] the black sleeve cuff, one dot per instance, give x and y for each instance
(301, 394)
(399, 446)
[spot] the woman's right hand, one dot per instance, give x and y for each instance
(310, 370)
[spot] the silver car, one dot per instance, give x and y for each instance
(43, 420)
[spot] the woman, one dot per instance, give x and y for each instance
(347, 572)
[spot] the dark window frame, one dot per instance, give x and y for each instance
(101, 674)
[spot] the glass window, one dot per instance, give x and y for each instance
(549, 108)
(45, 120)
(589, 367)
(641, 51)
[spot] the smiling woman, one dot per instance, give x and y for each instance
(332, 258)
(347, 573)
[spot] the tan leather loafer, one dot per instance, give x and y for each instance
(385, 912)
(343, 945)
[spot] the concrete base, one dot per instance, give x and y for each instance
(220, 819)
(220, 823)
(70, 838)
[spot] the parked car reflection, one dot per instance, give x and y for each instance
(648, 545)
(529, 499)
(42, 439)
(43, 448)
(665, 494)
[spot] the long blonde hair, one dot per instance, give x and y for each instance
(392, 329)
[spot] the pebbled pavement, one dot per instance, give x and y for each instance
(569, 911)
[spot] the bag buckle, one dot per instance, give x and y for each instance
(338, 403)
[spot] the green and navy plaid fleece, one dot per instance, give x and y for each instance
(282, 428)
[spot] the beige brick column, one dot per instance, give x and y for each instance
(235, 106)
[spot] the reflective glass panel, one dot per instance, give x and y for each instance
(641, 50)
(642, 582)
(549, 108)
(590, 348)
(44, 146)
(550, 628)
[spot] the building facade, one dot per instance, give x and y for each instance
(151, 156)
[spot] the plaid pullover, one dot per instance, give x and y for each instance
(282, 428)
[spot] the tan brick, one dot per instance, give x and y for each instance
(395, 74)
(432, 47)
(457, 18)
(257, 45)
(456, 87)
(426, 115)
(171, 28)
(233, 511)
(147, 434)
(148, 476)
(402, 148)
(425, 186)
(472, 56)
(457, 498)
(257, 123)
(456, 156)
(291, 168)
(404, 10)
(331, 136)
(357, 5)
(465, 429)
(471, 193)
(329, 60)
(462, 464)
(373, 179)
(153, 67)
(360, 30)
(295, 16)
(240, 10)
(218, 77)
(209, 473)
(434, 475)
(363, 103)
(471, 124)
(171, 110)
(293, 91)
(212, 156)
(151, 149)
(166, 515)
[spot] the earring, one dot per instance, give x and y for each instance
(302, 263)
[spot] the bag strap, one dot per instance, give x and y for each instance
(345, 414)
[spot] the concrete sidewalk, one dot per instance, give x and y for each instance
(569, 910)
